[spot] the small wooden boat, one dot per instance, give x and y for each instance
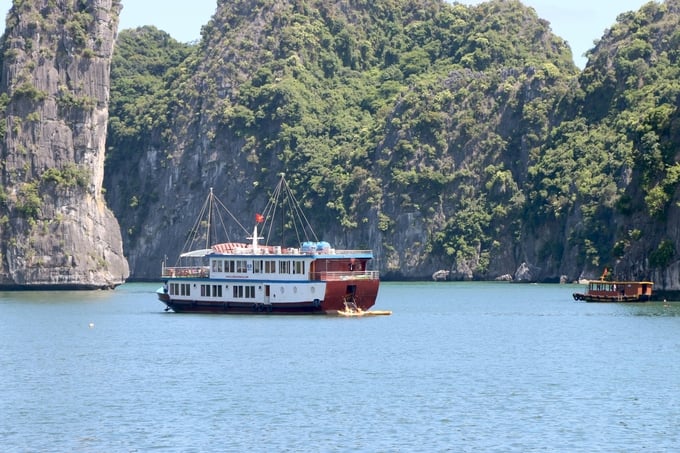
(616, 291)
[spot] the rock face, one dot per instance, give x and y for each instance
(56, 229)
(526, 273)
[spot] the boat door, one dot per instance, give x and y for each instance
(350, 298)
(266, 294)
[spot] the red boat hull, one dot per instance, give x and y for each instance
(362, 292)
(594, 298)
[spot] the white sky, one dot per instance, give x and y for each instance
(580, 22)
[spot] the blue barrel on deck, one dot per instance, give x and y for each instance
(323, 246)
(308, 247)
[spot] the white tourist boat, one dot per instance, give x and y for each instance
(311, 277)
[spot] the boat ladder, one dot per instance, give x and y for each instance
(351, 304)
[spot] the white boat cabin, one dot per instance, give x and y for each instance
(261, 267)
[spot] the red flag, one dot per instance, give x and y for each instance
(259, 218)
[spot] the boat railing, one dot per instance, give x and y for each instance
(345, 275)
(186, 272)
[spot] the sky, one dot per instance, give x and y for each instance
(579, 22)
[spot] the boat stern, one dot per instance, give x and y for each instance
(350, 294)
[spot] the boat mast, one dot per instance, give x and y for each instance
(208, 238)
(255, 241)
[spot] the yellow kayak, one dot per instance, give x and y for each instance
(359, 313)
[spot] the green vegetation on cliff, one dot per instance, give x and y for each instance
(613, 166)
(145, 63)
(146, 59)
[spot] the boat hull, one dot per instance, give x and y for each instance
(610, 299)
(240, 308)
(340, 295)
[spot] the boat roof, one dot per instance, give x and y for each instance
(196, 253)
(623, 282)
(367, 254)
(246, 250)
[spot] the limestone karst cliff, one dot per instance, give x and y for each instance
(442, 136)
(55, 228)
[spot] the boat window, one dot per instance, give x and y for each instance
(284, 267)
(217, 290)
(241, 266)
(239, 291)
(229, 266)
(299, 267)
(205, 290)
(257, 266)
(270, 267)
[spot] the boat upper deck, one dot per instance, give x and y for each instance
(234, 248)
(624, 288)
(243, 261)
(192, 272)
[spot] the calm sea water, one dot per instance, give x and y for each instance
(461, 367)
